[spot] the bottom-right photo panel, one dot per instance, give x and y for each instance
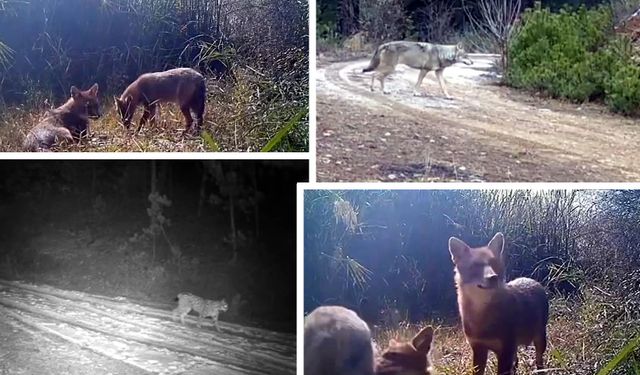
(495, 281)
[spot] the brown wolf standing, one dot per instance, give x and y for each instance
(183, 86)
(68, 122)
(497, 316)
(338, 342)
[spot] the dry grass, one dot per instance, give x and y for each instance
(581, 339)
(234, 119)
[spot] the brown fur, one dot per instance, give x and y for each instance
(183, 86)
(338, 342)
(497, 316)
(66, 123)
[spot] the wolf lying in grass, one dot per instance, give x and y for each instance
(183, 86)
(66, 123)
(338, 342)
(497, 316)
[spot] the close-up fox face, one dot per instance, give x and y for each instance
(88, 99)
(480, 267)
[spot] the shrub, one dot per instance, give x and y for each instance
(572, 54)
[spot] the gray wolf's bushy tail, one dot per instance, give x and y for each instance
(375, 60)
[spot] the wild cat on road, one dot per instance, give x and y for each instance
(204, 307)
(418, 55)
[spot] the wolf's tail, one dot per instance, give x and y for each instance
(375, 60)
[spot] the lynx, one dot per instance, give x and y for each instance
(204, 307)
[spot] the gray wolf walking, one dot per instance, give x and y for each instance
(338, 342)
(183, 86)
(497, 316)
(423, 56)
(68, 122)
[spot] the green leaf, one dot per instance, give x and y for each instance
(286, 129)
(211, 143)
(624, 354)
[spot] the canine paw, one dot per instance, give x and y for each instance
(386, 92)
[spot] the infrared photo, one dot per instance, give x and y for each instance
(436, 281)
(136, 267)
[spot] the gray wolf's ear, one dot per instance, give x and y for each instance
(74, 91)
(496, 245)
(458, 249)
(94, 89)
(460, 46)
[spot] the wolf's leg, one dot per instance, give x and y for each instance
(381, 78)
(480, 354)
(506, 359)
(540, 343)
(373, 79)
(442, 83)
(186, 112)
(153, 112)
(144, 118)
(416, 89)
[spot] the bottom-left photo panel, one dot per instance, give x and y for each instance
(148, 266)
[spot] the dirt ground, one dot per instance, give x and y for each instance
(487, 132)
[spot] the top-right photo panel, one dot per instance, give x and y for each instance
(472, 91)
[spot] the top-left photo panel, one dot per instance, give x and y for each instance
(154, 75)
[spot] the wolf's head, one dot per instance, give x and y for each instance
(407, 358)
(479, 268)
(462, 56)
(125, 110)
(88, 100)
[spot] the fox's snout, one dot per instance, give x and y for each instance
(489, 279)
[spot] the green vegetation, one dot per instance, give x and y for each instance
(574, 54)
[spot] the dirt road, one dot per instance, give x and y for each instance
(44, 330)
(486, 133)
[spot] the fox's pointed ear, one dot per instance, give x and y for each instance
(74, 91)
(422, 341)
(94, 89)
(458, 249)
(496, 245)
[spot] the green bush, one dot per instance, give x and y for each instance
(572, 54)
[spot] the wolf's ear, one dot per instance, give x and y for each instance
(459, 46)
(422, 341)
(74, 91)
(496, 245)
(94, 90)
(458, 249)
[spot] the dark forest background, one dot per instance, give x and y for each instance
(151, 229)
(384, 254)
(254, 54)
(437, 21)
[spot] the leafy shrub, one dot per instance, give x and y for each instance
(572, 54)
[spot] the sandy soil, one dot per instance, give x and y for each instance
(44, 330)
(486, 132)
